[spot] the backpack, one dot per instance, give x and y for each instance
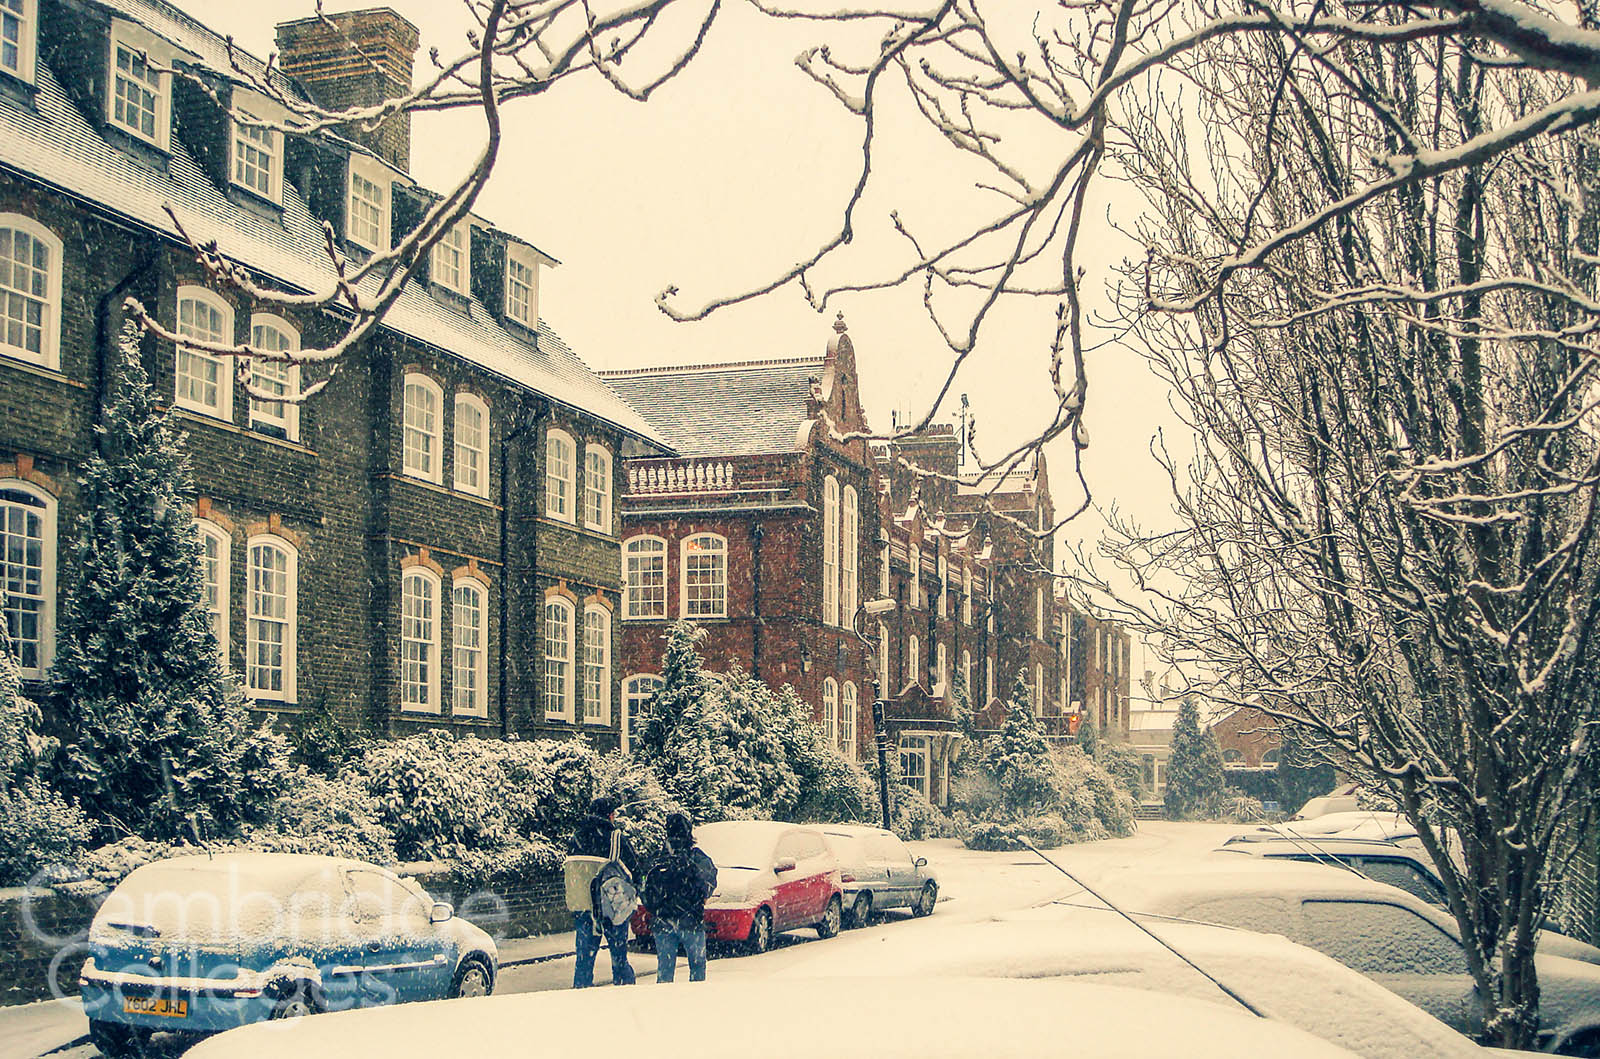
(614, 894)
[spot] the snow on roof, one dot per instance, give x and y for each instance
(1151, 720)
(52, 143)
(900, 1019)
(746, 408)
(204, 43)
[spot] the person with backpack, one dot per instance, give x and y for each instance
(599, 872)
(675, 893)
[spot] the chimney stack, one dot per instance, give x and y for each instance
(355, 59)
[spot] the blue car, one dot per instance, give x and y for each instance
(198, 945)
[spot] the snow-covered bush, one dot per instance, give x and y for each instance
(1042, 829)
(337, 817)
(915, 817)
(111, 863)
(441, 796)
(1122, 764)
(642, 803)
(839, 792)
(519, 861)
(1019, 758)
(1092, 801)
(976, 794)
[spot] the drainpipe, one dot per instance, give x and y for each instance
(106, 331)
(521, 424)
(757, 531)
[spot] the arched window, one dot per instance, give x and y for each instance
(830, 551)
(558, 659)
(597, 487)
(420, 429)
(913, 659)
(1232, 756)
(274, 378)
(644, 577)
(1270, 758)
(472, 444)
(1038, 613)
(204, 383)
(850, 586)
(966, 596)
(559, 477)
(966, 672)
(596, 664)
(942, 668)
(1038, 689)
(469, 648)
(637, 691)
(830, 710)
(272, 609)
(884, 587)
(28, 573)
(419, 640)
(943, 566)
(215, 553)
(704, 566)
(30, 291)
(848, 718)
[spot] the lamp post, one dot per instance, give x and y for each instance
(876, 608)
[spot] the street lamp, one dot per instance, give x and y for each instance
(876, 608)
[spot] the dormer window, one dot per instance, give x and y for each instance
(522, 287)
(368, 213)
(19, 21)
(258, 160)
(451, 266)
(139, 101)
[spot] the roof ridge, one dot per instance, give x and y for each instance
(740, 365)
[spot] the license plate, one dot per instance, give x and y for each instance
(165, 1006)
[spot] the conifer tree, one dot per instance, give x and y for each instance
(1019, 758)
(1194, 768)
(683, 687)
(1088, 735)
(156, 735)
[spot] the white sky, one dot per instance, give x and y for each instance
(729, 174)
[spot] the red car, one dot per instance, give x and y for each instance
(771, 878)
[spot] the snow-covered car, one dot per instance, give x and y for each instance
(1285, 981)
(1400, 942)
(1356, 823)
(1341, 799)
(1404, 864)
(844, 1018)
(878, 872)
(195, 945)
(771, 878)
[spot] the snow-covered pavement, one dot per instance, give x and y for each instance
(973, 887)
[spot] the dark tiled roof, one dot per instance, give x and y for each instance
(211, 48)
(52, 143)
(743, 409)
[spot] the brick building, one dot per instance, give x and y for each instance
(432, 540)
(1248, 738)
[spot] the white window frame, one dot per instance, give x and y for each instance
(434, 472)
(643, 547)
(686, 610)
(850, 575)
(49, 355)
(154, 52)
(603, 522)
(410, 700)
(372, 173)
(966, 672)
(289, 419)
(462, 453)
(988, 680)
(914, 747)
(635, 694)
(248, 136)
(457, 240)
(559, 488)
(849, 717)
(558, 692)
(1038, 689)
(914, 557)
(43, 506)
(476, 667)
(942, 667)
(211, 532)
(27, 41)
(223, 409)
(597, 712)
(291, 620)
(830, 711)
(830, 551)
(913, 653)
(521, 257)
(943, 567)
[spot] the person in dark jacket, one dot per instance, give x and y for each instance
(675, 893)
(589, 849)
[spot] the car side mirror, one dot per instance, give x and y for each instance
(442, 912)
(920, 862)
(786, 864)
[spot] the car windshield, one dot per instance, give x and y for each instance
(737, 847)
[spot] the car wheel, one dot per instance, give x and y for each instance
(828, 925)
(299, 1002)
(861, 910)
(116, 1039)
(473, 978)
(760, 939)
(926, 900)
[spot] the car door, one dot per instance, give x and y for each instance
(404, 955)
(904, 877)
(1400, 950)
(789, 897)
(818, 865)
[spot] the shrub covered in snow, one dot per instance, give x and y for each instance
(334, 817)
(1122, 764)
(1044, 830)
(1195, 779)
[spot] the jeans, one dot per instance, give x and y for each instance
(583, 924)
(670, 937)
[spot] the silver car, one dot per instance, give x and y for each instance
(879, 872)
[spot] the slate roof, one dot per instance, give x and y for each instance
(55, 145)
(743, 409)
(210, 47)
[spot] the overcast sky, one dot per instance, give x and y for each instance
(732, 172)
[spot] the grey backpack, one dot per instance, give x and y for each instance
(615, 896)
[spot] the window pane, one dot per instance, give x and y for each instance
(519, 292)
(705, 564)
(22, 574)
(558, 477)
(418, 641)
(557, 658)
(267, 606)
(596, 664)
(421, 430)
(366, 212)
(24, 290)
(645, 575)
(470, 447)
(467, 645)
